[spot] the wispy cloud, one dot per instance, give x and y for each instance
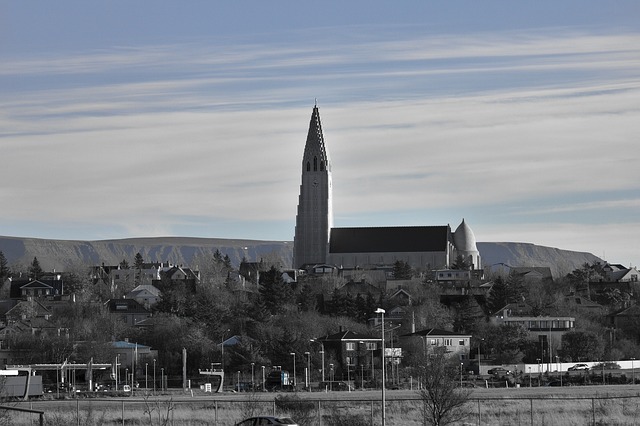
(153, 135)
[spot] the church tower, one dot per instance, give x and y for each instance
(315, 214)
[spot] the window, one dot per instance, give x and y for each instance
(315, 164)
(433, 342)
(349, 360)
(351, 346)
(372, 346)
(461, 342)
(448, 342)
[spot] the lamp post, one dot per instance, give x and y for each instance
(633, 372)
(117, 368)
(293, 355)
(321, 353)
(539, 373)
(307, 376)
(162, 379)
(384, 414)
(252, 370)
(559, 369)
(263, 379)
(146, 376)
(479, 344)
(550, 350)
(460, 375)
(330, 377)
(154, 376)
(238, 380)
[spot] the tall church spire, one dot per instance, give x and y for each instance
(315, 214)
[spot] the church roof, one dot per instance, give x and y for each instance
(389, 239)
(315, 140)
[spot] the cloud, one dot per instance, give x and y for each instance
(152, 137)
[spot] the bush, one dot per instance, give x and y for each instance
(298, 409)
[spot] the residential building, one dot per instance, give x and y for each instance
(351, 354)
(128, 310)
(433, 340)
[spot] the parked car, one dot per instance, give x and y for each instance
(267, 420)
(606, 366)
(499, 371)
(579, 367)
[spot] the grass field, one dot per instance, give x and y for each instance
(579, 405)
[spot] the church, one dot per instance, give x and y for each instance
(317, 242)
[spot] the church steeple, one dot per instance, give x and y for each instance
(315, 216)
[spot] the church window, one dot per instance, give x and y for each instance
(308, 166)
(322, 166)
(315, 164)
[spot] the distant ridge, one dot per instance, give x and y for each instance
(64, 254)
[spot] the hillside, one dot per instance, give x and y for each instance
(63, 254)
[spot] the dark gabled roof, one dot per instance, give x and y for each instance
(544, 271)
(434, 332)
(390, 239)
(346, 335)
(125, 306)
(631, 311)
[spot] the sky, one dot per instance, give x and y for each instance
(144, 119)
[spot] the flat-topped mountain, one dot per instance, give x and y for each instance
(63, 254)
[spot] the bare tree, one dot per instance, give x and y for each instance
(444, 402)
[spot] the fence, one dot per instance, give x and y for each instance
(597, 410)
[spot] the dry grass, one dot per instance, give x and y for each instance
(567, 407)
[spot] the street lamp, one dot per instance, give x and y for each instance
(238, 380)
(117, 368)
(559, 369)
(384, 414)
(330, 377)
(307, 376)
(293, 355)
(460, 375)
(479, 344)
(252, 370)
(154, 376)
(539, 373)
(162, 379)
(263, 379)
(321, 353)
(146, 376)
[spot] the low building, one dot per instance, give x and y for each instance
(547, 330)
(433, 340)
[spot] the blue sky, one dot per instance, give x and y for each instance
(123, 119)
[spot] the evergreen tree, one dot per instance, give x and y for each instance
(402, 270)
(274, 291)
(461, 263)
(138, 263)
(517, 288)
(35, 271)
(498, 295)
(4, 268)
(124, 264)
(468, 314)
